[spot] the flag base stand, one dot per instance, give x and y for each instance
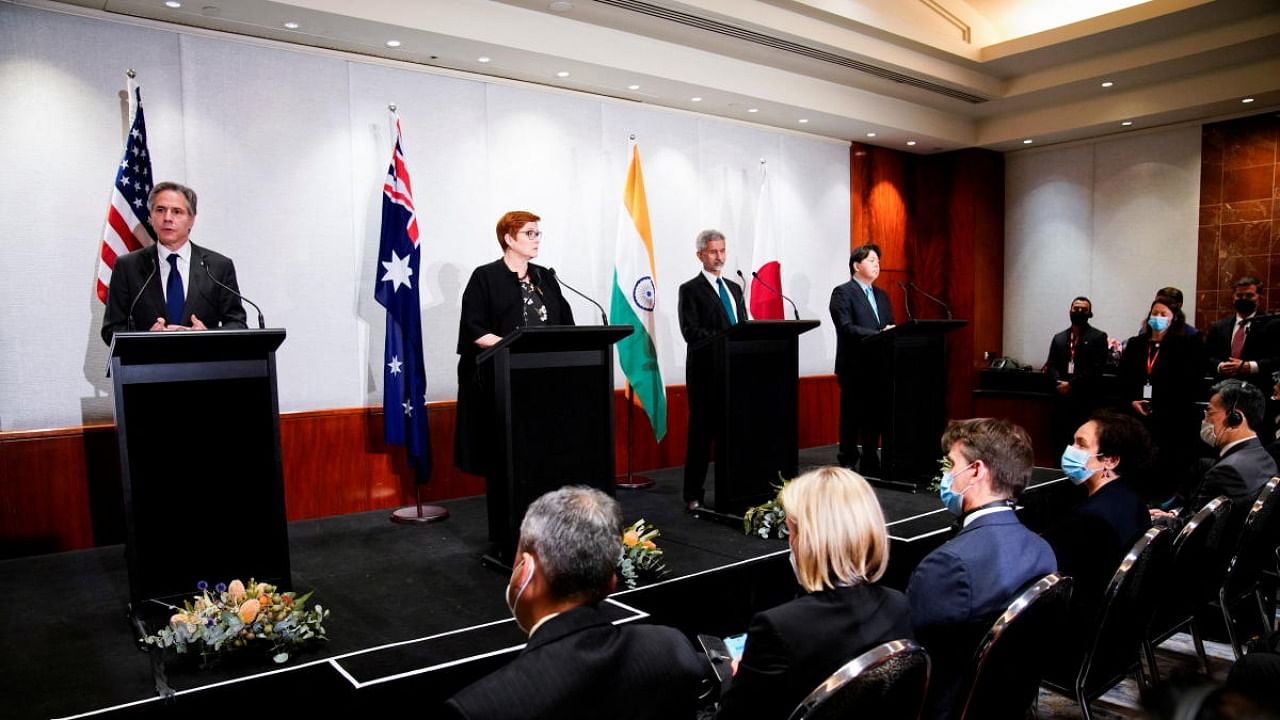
(418, 514)
(631, 481)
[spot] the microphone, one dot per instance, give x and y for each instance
(604, 319)
(261, 323)
(906, 300)
(155, 266)
(946, 308)
(795, 312)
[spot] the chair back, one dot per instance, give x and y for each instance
(1257, 542)
(1197, 567)
(1127, 610)
(888, 681)
(1005, 677)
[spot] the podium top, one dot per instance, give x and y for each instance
(751, 330)
(557, 338)
(925, 327)
(140, 348)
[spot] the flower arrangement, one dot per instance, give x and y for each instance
(767, 519)
(236, 615)
(944, 466)
(641, 557)
(1115, 349)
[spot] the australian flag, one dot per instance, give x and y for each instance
(404, 376)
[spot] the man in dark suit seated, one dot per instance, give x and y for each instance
(577, 664)
(173, 284)
(1243, 464)
(958, 590)
(859, 310)
(1077, 357)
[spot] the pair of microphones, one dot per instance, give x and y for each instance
(155, 268)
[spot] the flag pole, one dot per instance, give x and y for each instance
(631, 481)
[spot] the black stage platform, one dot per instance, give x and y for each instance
(415, 616)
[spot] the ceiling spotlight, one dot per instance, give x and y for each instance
(695, 99)
(804, 120)
(562, 74)
(633, 87)
(911, 143)
(173, 4)
(1127, 123)
(291, 25)
(482, 59)
(1107, 83)
(393, 43)
(560, 6)
(1028, 141)
(1246, 101)
(871, 134)
(753, 110)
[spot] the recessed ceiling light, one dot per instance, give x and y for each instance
(753, 109)
(911, 143)
(560, 6)
(562, 74)
(1028, 141)
(695, 99)
(291, 26)
(1107, 83)
(633, 87)
(173, 4)
(1127, 123)
(1246, 101)
(871, 134)
(482, 59)
(393, 43)
(804, 120)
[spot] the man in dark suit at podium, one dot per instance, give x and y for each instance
(860, 310)
(173, 284)
(578, 664)
(709, 304)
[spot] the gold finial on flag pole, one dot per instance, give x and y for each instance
(391, 107)
(633, 137)
(130, 73)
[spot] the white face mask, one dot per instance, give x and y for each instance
(511, 604)
(1208, 434)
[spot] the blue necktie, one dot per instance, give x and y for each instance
(871, 299)
(173, 293)
(728, 303)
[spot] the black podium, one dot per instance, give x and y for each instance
(199, 429)
(911, 360)
(755, 378)
(553, 412)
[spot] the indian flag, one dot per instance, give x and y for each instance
(634, 297)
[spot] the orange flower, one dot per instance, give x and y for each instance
(249, 611)
(263, 600)
(648, 545)
(261, 589)
(236, 590)
(630, 538)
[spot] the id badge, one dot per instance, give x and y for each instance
(1146, 391)
(1071, 367)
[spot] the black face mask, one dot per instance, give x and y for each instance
(1246, 307)
(1080, 317)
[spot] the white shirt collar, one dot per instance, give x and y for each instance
(183, 252)
(712, 278)
(1230, 445)
(541, 622)
(985, 511)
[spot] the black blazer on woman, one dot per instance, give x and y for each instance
(492, 303)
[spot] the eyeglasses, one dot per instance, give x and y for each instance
(532, 234)
(1211, 411)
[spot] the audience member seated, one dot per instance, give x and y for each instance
(959, 589)
(1091, 539)
(577, 664)
(1257, 674)
(839, 549)
(1243, 464)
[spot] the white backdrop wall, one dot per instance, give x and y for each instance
(287, 149)
(1113, 221)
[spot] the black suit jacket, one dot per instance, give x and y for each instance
(214, 305)
(854, 321)
(1260, 346)
(578, 665)
(795, 646)
(701, 316)
(1239, 474)
(1091, 354)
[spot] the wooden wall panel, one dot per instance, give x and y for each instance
(61, 488)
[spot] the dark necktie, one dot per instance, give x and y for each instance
(728, 303)
(1237, 340)
(173, 293)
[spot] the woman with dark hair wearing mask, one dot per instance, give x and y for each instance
(1161, 374)
(1109, 451)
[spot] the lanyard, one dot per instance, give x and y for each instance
(1072, 345)
(1152, 357)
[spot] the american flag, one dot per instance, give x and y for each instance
(404, 376)
(128, 228)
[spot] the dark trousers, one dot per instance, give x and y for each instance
(860, 424)
(704, 430)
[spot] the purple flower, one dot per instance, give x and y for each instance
(202, 586)
(220, 587)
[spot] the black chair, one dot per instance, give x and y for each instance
(1005, 678)
(1193, 582)
(1127, 607)
(888, 681)
(1253, 553)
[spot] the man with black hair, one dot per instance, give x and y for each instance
(1077, 357)
(860, 310)
(1244, 346)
